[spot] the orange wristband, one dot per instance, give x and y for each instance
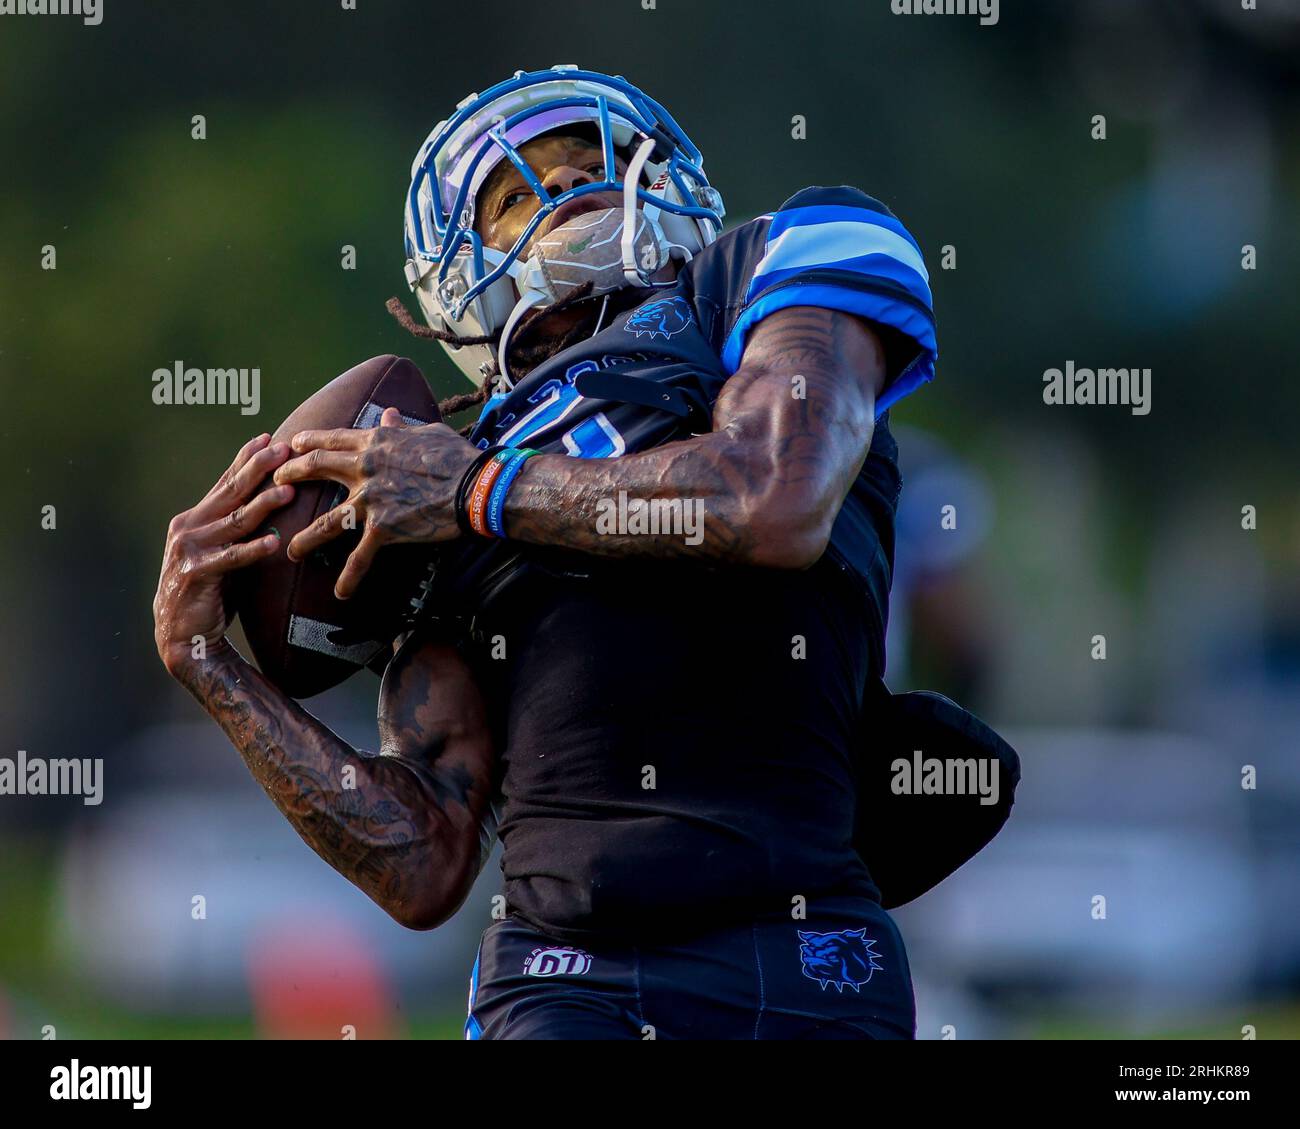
(476, 508)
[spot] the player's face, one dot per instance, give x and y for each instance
(506, 203)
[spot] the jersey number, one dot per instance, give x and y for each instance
(592, 438)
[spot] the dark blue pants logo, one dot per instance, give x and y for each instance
(842, 959)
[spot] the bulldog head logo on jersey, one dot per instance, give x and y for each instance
(839, 959)
(666, 316)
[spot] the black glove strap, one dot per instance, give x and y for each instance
(624, 387)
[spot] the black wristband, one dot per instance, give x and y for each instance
(467, 484)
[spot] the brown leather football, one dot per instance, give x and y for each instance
(303, 638)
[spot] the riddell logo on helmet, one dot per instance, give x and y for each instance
(661, 183)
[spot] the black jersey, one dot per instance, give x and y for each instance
(677, 741)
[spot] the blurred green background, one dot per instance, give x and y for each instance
(226, 252)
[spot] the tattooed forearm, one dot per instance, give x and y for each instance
(409, 825)
(791, 430)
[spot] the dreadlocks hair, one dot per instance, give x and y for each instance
(524, 356)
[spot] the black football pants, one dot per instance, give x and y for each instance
(840, 974)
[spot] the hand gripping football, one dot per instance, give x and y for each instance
(303, 638)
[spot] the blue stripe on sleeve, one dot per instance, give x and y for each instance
(474, 1029)
(807, 243)
(836, 213)
(876, 307)
(839, 254)
(876, 266)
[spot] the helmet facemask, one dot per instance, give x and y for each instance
(474, 291)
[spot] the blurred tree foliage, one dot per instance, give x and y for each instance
(226, 252)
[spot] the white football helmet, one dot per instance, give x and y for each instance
(475, 291)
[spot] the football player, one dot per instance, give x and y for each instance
(672, 524)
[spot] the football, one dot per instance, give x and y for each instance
(303, 638)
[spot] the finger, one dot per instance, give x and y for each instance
(357, 566)
(337, 466)
(337, 439)
(244, 519)
(391, 418)
(247, 451)
(231, 557)
(231, 491)
(324, 529)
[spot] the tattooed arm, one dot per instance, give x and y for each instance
(410, 825)
(772, 474)
(791, 429)
(412, 828)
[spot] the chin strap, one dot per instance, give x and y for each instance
(529, 278)
(632, 270)
(531, 300)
